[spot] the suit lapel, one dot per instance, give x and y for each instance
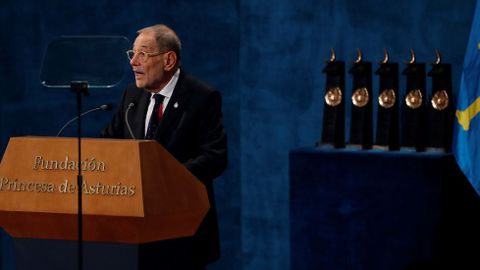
(141, 104)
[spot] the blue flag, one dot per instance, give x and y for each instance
(466, 136)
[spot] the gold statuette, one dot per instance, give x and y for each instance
(387, 98)
(414, 99)
(333, 97)
(360, 97)
(440, 100)
(333, 56)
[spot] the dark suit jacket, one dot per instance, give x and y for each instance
(192, 131)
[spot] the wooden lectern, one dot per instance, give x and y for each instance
(134, 192)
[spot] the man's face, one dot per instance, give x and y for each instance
(150, 73)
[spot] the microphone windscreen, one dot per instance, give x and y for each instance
(106, 107)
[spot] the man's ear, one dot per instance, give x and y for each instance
(170, 61)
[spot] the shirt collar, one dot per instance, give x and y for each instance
(167, 91)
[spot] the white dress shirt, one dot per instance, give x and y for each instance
(167, 92)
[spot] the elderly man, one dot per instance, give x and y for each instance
(184, 115)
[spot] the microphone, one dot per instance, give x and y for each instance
(131, 105)
(104, 107)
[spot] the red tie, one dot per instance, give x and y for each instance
(160, 111)
(156, 117)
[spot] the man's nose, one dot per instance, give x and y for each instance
(134, 61)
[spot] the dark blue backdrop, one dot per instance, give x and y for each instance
(265, 58)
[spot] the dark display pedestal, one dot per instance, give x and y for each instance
(381, 210)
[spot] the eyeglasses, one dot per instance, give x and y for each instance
(141, 55)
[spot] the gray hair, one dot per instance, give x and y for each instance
(166, 38)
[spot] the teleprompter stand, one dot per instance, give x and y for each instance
(77, 62)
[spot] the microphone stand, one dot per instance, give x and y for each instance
(79, 87)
